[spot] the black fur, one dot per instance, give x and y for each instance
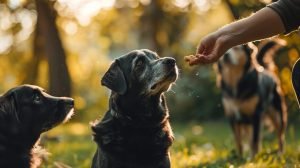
(135, 131)
(26, 112)
(263, 51)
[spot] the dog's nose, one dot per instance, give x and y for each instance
(71, 101)
(68, 101)
(169, 61)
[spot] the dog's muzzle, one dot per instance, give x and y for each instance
(168, 75)
(170, 63)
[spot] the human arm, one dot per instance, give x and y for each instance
(265, 23)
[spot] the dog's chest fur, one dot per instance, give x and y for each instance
(14, 155)
(238, 84)
(135, 140)
(242, 92)
(231, 75)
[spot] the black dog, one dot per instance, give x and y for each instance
(26, 112)
(135, 132)
(251, 92)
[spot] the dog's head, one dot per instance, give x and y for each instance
(29, 110)
(140, 72)
(238, 57)
(234, 64)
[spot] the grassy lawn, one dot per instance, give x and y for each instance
(206, 144)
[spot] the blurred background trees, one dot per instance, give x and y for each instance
(65, 46)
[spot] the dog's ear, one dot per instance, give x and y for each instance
(114, 79)
(251, 47)
(9, 118)
(8, 105)
(248, 48)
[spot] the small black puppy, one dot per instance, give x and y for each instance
(26, 112)
(135, 132)
(251, 92)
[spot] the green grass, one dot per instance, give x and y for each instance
(206, 144)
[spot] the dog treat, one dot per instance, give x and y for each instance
(190, 59)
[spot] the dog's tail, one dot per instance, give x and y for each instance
(266, 51)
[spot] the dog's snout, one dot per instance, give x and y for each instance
(169, 61)
(67, 101)
(71, 102)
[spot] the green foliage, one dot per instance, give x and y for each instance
(71, 145)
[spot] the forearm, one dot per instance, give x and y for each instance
(263, 24)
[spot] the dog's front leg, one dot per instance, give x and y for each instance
(236, 128)
(256, 124)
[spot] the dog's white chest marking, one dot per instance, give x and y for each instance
(237, 107)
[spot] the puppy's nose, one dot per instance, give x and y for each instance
(68, 101)
(169, 61)
(71, 101)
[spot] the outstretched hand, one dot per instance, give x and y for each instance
(210, 49)
(254, 27)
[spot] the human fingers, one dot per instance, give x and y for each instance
(190, 58)
(202, 59)
(207, 44)
(198, 59)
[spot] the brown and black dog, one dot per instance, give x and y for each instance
(251, 92)
(26, 112)
(135, 131)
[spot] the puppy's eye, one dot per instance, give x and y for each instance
(37, 98)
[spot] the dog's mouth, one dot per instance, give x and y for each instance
(60, 116)
(64, 115)
(166, 80)
(69, 115)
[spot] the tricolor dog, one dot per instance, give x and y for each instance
(251, 92)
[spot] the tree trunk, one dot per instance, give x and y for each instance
(59, 77)
(32, 68)
(150, 25)
(233, 10)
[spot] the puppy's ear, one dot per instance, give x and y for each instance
(8, 105)
(114, 79)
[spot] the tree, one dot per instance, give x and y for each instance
(47, 45)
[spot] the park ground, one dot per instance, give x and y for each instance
(198, 144)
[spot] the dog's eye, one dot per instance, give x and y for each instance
(37, 98)
(139, 63)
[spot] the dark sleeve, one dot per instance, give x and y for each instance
(289, 12)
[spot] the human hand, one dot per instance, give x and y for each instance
(211, 48)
